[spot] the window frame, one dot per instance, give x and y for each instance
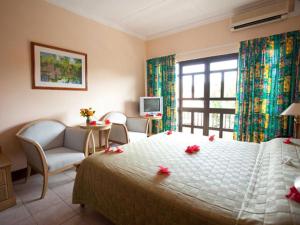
(206, 110)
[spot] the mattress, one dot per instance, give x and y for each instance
(226, 182)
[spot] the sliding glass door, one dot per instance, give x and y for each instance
(207, 91)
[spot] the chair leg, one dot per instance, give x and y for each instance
(45, 186)
(28, 173)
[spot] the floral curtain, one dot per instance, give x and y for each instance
(268, 83)
(161, 80)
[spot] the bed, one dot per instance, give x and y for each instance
(226, 182)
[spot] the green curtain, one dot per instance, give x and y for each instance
(161, 80)
(268, 82)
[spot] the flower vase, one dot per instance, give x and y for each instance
(88, 120)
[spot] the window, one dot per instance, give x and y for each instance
(207, 92)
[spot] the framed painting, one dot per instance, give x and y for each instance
(58, 68)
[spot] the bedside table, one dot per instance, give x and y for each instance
(7, 197)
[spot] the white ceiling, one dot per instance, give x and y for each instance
(148, 19)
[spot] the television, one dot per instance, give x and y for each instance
(151, 105)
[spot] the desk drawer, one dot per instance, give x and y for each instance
(2, 177)
(3, 193)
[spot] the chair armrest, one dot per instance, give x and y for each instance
(118, 133)
(137, 124)
(34, 154)
(76, 139)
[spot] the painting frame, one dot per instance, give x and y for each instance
(40, 80)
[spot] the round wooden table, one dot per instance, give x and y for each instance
(104, 131)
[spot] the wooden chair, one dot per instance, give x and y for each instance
(51, 147)
(126, 129)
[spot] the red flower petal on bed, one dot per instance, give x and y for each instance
(158, 114)
(294, 194)
(118, 150)
(192, 149)
(189, 150)
(107, 121)
(196, 148)
(147, 115)
(163, 170)
(211, 138)
(169, 132)
(287, 141)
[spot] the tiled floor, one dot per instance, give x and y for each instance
(55, 209)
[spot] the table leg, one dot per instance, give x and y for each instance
(88, 149)
(150, 128)
(100, 138)
(93, 143)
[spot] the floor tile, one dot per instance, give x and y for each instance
(14, 215)
(76, 220)
(85, 220)
(29, 193)
(58, 180)
(71, 173)
(75, 207)
(33, 181)
(55, 209)
(93, 216)
(56, 214)
(36, 205)
(64, 191)
(26, 221)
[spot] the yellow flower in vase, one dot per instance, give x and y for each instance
(87, 113)
(90, 113)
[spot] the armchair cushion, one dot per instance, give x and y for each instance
(75, 138)
(136, 124)
(59, 157)
(49, 134)
(136, 136)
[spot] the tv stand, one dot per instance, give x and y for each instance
(151, 118)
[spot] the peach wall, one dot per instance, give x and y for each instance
(213, 39)
(115, 69)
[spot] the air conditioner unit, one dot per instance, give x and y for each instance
(261, 13)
